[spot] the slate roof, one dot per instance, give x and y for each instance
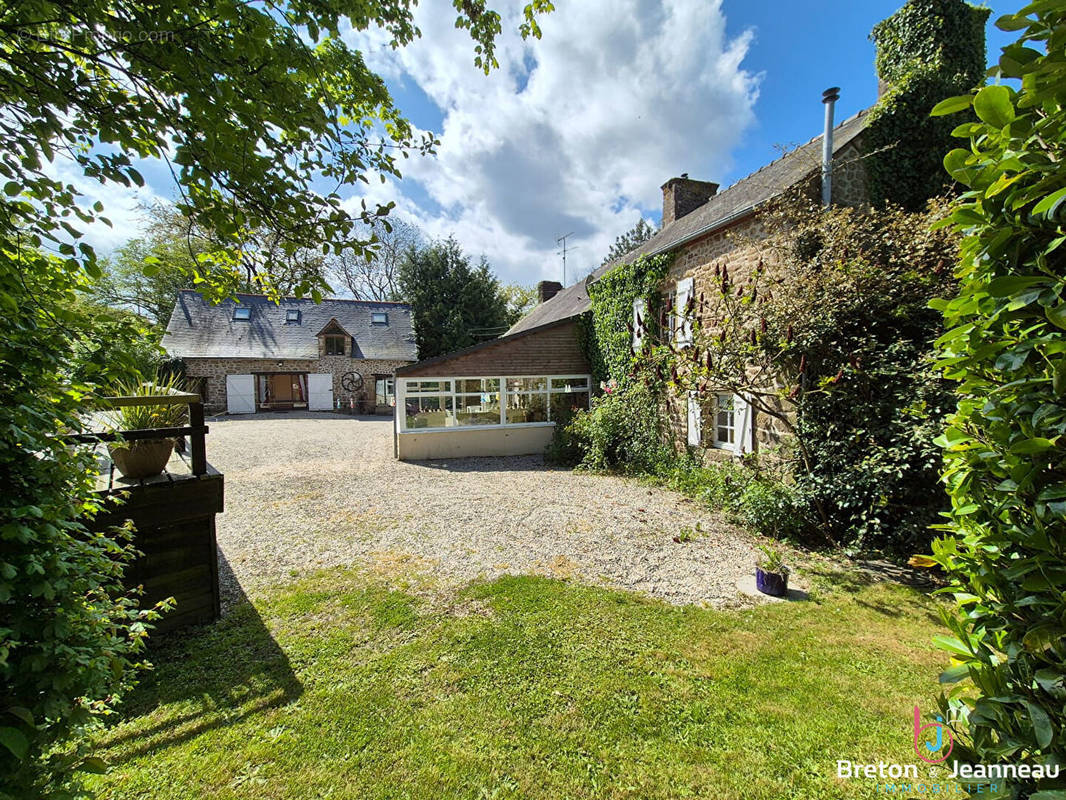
(198, 329)
(739, 200)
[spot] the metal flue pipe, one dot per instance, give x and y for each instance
(829, 97)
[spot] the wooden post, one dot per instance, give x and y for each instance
(199, 447)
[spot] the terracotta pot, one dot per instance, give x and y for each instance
(774, 584)
(141, 459)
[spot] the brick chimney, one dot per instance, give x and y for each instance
(546, 290)
(683, 195)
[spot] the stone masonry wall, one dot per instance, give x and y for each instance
(215, 370)
(742, 246)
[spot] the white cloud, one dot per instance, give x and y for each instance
(575, 132)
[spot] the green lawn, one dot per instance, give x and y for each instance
(527, 687)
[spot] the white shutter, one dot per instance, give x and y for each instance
(640, 322)
(240, 394)
(682, 320)
(695, 421)
(743, 418)
(320, 392)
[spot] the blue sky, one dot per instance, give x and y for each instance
(576, 132)
(801, 49)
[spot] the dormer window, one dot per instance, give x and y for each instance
(379, 318)
(334, 345)
(242, 313)
(292, 316)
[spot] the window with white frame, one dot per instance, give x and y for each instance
(682, 314)
(384, 391)
(464, 402)
(640, 322)
(725, 421)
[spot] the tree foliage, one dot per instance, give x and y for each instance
(520, 300)
(262, 113)
(453, 303)
(70, 639)
(260, 110)
(630, 240)
(928, 50)
(375, 276)
(1005, 445)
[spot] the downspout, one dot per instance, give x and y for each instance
(829, 97)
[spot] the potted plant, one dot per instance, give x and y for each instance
(771, 573)
(144, 458)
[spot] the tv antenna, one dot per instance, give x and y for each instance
(562, 240)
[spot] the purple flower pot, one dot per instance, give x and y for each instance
(774, 584)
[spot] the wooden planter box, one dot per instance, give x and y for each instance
(175, 520)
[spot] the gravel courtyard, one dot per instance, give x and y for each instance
(307, 491)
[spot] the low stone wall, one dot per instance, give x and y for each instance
(215, 370)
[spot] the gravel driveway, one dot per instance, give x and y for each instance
(307, 491)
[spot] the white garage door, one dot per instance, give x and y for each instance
(240, 394)
(320, 392)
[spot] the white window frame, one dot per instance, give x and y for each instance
(682, 324)
(640, 323)
(402, 393)
(390, 389)
(724, 444)
(743, 418)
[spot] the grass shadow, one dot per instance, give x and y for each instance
(218, 674)
(864, 574)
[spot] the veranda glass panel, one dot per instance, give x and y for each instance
(477, 409)
(429, 411)
(527, 384)
(565, 404)
(527, 408)
(477, 385)
(569, 384)
(430, 387)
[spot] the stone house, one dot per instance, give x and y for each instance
(702, 225)
(252, 354)
(504, 397)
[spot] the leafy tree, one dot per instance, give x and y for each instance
(453, 303)
(258, 109)
(630, 240)
(70, 638)
(374, 277)
(1005, 446)
(520, 300)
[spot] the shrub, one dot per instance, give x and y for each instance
(70, 638)
(623, 431)
(1005, 445)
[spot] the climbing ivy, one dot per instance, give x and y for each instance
(926, 51)
(611, 305)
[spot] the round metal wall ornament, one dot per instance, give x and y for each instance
(351, 381)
